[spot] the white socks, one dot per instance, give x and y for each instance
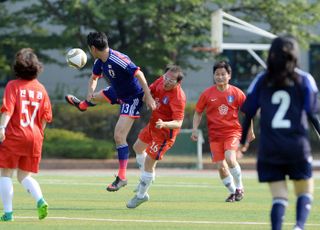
(32, 186)
(140, 158)
(228, 182)
(236, 173)
(6, 191)
(145, 182)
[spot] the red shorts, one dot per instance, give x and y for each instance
(218, 148)
(159, 140)
(25, 163)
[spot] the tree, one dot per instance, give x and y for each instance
(154, 32)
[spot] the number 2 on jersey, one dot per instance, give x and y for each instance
(281, 98)
(24, 110)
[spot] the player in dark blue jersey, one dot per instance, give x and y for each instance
(128, 86)
(287, 98)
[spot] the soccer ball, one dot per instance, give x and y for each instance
(76, 58)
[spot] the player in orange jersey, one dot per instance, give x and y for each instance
(160, 133)
(25, 111)
(221, 103)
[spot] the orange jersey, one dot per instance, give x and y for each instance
(222, 109)
(28, 104)
(170, 104)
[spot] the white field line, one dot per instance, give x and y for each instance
(158, 221)
(177, 185)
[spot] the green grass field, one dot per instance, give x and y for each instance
(185, 199)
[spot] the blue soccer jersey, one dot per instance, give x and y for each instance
(120, 71)
(283, 117)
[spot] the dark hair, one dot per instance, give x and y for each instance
(222, 64)
(26, 64)
(282, 61)
(98, 40)
(175, 69)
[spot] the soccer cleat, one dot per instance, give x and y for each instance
(72, 100)
(136, 201)
(239, 194)
(117, 184)
(6, 217)
(42, 210)
(231, 198)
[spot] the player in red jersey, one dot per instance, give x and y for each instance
(25, 111)
(221, 103)
(160, 133)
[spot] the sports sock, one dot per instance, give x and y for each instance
(236, 173)
(145, 183)
(140, 158)
(85, 104)
(303, 209)
(6, 190)
(123, 155)
(277, 212)
(229, 183)
(33, 187)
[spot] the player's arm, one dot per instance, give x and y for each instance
(92, 85)
(174, 124)
(4, 120)
(314, 119)
(195, 124)
(147, 95)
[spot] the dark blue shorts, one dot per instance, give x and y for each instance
(269, 172)
(128, 106)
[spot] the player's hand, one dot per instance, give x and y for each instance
(243, 148)
(251, 137)
(160, 124)
(194, 135)
(150, 102)
(2, 135)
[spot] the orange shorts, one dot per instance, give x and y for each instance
(25, 163)
(159, 140)
(218, 148)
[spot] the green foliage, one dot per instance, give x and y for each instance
(154, 33)
(60, 143)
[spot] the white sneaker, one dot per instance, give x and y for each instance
(135, 201)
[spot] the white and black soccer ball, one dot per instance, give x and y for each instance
(76, 58)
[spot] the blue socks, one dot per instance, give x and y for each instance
(303, 209)
(277, 212)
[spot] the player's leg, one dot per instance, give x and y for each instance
(139, 148)
(129, 112)
(301, 174)
(230, 146)
(146, 179)
(141, 145)
(121, 131)
(6, 191)
(106, 95)
(304, 192)
(279, 192)
(33, 187)
(28, 165)
(217, 154)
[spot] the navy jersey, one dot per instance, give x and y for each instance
(283, 117)
(120, 71)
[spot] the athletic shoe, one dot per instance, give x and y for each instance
(136, 201)
(42, 209)
(239, 194)
(6, 217)
(297, 228)
(117, 184)
(231, 198)
(72, 100)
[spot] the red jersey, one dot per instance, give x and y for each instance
(222, 109)
(28, 104)
(170, 104)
